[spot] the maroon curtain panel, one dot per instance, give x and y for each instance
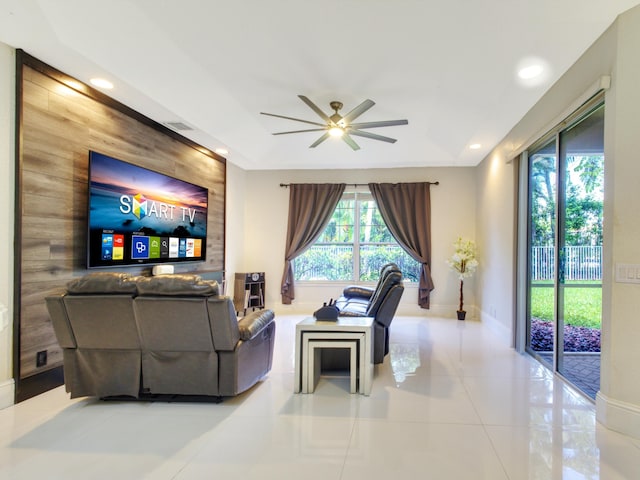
(406, 210)
(310, 209)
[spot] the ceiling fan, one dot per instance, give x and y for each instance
(341, 126)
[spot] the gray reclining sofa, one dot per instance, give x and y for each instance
(145, 337)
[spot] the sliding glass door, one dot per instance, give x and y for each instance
(542, 286)
(564, 291)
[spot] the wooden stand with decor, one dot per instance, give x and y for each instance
(248, 291)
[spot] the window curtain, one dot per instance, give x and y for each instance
(310, 209)
(406, 210)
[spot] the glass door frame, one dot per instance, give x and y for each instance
(553, 138)
(523, 256)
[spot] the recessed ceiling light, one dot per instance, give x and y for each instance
(222, 151)
(531, 71)
(475, 146)
(101, 83)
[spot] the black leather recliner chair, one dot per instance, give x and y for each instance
(380, 302)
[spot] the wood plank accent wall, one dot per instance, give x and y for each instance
(57, 126)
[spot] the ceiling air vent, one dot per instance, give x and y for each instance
(179, 126)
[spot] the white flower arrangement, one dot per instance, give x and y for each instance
(464, 263)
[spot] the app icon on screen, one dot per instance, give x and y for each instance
(173, 247)
(107, 246)
(164, 247)
(139, 247)
(118, 247)
(154, 247)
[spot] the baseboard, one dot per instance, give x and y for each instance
(619, 416)
(497, 327)
(7, 393)
(29, 387)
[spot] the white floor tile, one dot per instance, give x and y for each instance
(539, 452)
(384, 450)
(535, 401)
(419, 398)
(273, 447)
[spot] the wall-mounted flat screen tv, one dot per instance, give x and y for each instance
(138, 216)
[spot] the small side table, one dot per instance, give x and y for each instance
(355, 332)
(315, 348)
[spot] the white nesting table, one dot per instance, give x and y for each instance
(314, 361)
(355, 333)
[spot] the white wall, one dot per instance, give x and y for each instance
(495, 236)
(615, 54)
(7, 176)
(618, 401)
(234, 223)
(266, 210)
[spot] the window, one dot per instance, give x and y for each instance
(354, 246)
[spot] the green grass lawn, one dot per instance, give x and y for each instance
(583, 306)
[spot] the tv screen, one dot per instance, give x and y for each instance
(138, 216)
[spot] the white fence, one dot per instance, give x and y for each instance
(580, 263)
(335, 263)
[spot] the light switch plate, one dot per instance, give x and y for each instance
(627, 273)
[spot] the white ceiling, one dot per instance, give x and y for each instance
(448, 67)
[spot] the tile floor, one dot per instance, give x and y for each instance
(450, 402)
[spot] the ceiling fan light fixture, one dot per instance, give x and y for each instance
(336, 131)
(338, 126)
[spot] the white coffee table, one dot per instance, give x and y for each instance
(343, 331)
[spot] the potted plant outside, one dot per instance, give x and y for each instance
(464, 263)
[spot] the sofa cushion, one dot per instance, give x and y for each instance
(185, 285)
(103, 282)
(353, 309)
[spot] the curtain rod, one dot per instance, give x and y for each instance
(285, 185)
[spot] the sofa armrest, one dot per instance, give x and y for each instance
(357, 291)
(60, 320)
(254, 322)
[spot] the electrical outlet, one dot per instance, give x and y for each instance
(41, 358)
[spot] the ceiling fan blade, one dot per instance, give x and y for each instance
(319, 141)
(349, 141)
(372, 136)
(294, 119)
(315, 108)
(300, 131)
(383, 123)
(359, 110)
